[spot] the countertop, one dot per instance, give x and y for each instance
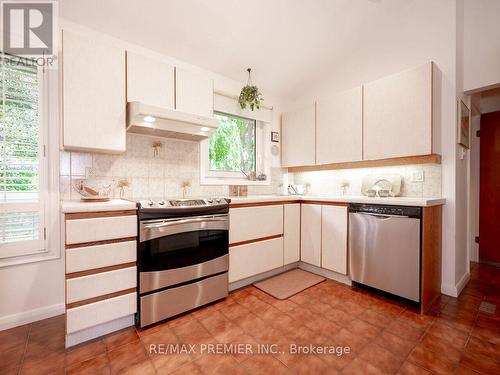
(73, 206)
(396, 201)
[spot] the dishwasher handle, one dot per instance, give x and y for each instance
(381, 216)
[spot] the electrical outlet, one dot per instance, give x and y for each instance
(417, 176)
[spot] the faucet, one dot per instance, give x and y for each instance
(292, 190)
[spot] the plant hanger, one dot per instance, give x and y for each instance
(250, 94)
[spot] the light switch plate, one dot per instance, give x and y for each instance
(417, 176)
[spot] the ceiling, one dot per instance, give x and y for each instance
(289, 44)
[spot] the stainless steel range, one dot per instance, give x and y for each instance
(183, 256)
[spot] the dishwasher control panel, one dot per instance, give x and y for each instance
(377, 209)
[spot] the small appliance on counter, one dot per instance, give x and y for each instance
(182, 255)
(383, 186)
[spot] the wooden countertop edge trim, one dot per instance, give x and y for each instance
(96, 243)
(100, 298)
(94, 271)
(419, 159)
(256, 240)
(298, 201)
(98, 214)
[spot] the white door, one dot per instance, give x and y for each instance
(93, 74)
(291, 233)
(310, 234)
(149, 81)
(298, 136)
(339, 127)
(398, 115)
(334, 238)
(194, 93)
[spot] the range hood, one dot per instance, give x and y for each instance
(168, 123)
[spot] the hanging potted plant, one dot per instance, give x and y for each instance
(250, 94)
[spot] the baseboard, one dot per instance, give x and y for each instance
(455, 290)
(30, 316)
(325, 273)
(462, 283)
(76, 338)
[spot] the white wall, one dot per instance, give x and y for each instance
(481, 44)
(427, 30)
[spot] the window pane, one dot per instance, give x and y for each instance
(232, 147)
(19, 226)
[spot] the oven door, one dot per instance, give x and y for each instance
(175, 251)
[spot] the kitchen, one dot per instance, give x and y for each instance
(283, 217)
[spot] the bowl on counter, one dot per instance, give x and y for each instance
(93, 190)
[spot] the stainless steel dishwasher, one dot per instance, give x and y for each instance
(384, 248)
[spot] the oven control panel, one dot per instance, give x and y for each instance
(179, 203)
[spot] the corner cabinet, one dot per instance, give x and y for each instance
(93, 92)
(398, 114)
(298, 137)
(339, 127)
(150, 81)
(194, 93)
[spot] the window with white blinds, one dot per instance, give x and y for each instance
(21, 155)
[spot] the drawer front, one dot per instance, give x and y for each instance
(254, 258)
(92, 257)
(85, 287)
(90, 315)
(100, 229)
(250, 223)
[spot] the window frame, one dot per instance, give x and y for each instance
(262, 159)
(48, 245)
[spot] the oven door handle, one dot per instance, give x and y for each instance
(185, 221)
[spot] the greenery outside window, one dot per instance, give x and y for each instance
(232, 149)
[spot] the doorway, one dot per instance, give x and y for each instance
(489, 189)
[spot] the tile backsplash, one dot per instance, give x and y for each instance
(329, 182)
(148, 176)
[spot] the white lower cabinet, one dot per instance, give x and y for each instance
(291, 233)
(310, 234)
(254, 258)
(250, 223)
(334, 238)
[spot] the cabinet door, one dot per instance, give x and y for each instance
(149, 81)
(93, 94)
(194, 93)
(334, 238)
(250, 223)
(310, 234)
(398, 115)
(254, 258)
(298, 137)
(291, 234)
(339, 127)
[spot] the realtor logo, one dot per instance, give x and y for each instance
(29, 29)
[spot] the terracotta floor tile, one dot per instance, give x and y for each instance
(445, 332)
(339, 317)
(212, 321)
(375, 318)
(153, 341)
(431, 361)
(284, 305)
(189, 368)
(405, 330)
(52, 363)
(351, 308)
(409, 368)
(441, 347)
(84, 352)
(308, 364)
(300, 299)
(228, 332)
(180, 319)
(264, 364)
(381, 358)
(364, 329)
(480, 363)
(486, 334)
(11, 371)
(462, 370)
(234, 311)
(126, 356)
(152, 329)
(358, 366)
(346, 338)
(13, 337)
(192, 332)
(395, 344)
(220, 364)
(11, 358)
(143, 368)
(116, 339)
(95, 365)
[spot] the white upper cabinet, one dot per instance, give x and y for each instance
(310, 234)
(298, 136)
(194, 93)
(149, 81)
(334, 238)
(398, 114)
(339, 127)
(93, 83)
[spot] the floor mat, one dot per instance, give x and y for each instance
(289, 283)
